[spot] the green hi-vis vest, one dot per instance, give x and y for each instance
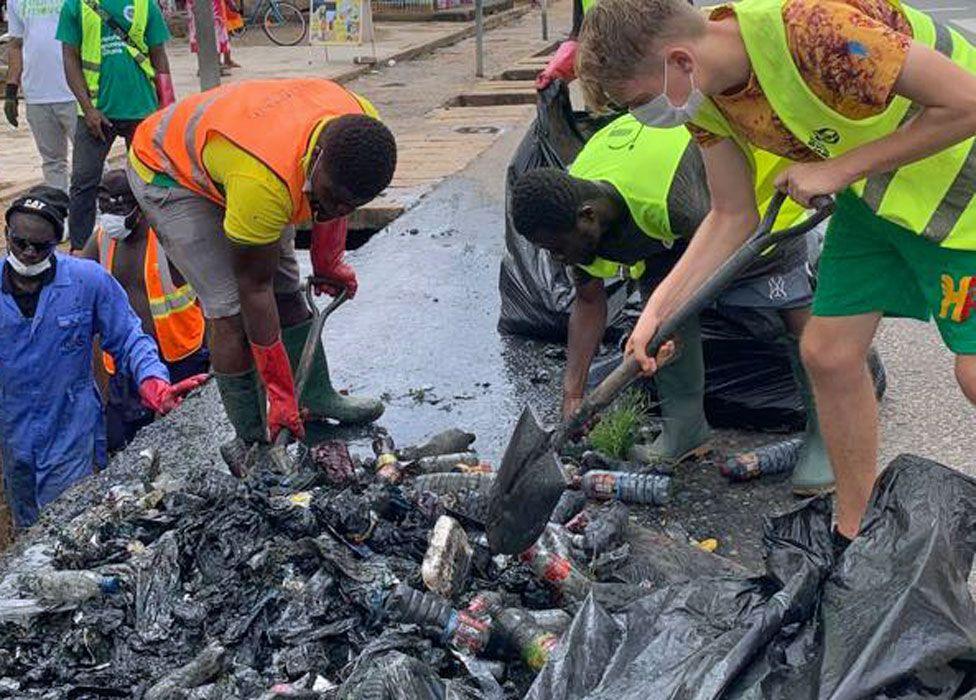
(91, 44)
(641, 163)
(587, 4)
(933, 197)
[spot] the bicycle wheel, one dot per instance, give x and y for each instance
(284, 23)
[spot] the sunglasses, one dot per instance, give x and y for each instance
(22, 244)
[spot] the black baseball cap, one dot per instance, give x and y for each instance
(47, 202)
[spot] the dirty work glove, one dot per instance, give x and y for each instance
(162, 397)
(327, 250)
(10, 103)
(561, 65)
(272, 365)
(164, 90)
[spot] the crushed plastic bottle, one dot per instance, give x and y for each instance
(445, 442)
(570, 504)
(464, 495)
(646, 489)
(555, 569)
(775, 458)
(69, 587)
(206, 666)
(532, 643)
(459, 629)
(604, 531)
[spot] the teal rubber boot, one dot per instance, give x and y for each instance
(681, 390)
(812, 475)
(322, 401)
(244, 404)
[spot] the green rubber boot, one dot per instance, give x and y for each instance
(812, 475)
(321, 400)
(681, 390)
(244, 404)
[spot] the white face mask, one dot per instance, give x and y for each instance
(114, 226)
(662, 114)
(29, 270)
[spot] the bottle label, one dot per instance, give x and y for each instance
(536, 652)
(471, 633)
(601, 485)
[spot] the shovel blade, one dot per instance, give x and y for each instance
(526, 489)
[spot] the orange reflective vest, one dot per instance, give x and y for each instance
(177, 318)
(273, 120)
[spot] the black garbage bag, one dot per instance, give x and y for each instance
(536, 292)
(892, 618)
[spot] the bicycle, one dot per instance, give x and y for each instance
(283, 22)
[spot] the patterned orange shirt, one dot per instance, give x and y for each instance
(849, 52)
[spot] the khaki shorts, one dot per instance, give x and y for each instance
(191, 230)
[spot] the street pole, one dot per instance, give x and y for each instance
(479, 39)
(545, 19)
(207, 58)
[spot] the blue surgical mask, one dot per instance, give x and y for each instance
(662, 114)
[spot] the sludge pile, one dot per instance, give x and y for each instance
(309, 584)
(371, 581)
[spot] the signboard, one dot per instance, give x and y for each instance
(340, 22)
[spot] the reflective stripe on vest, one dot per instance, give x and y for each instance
(177, 319)
(933, 197)
(91, 45)
(272, 120)
(641, 163)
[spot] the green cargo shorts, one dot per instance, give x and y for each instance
(870, 264)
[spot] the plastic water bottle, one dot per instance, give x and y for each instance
(465, 495)
(556, 570)
(775, 458)
(647, 489)
(447, 463)
(533, 643)
(70, 587)
(437, 617)
(388, 467)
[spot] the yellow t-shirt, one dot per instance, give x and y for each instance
(258, 204)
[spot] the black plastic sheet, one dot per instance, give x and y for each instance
(892, 618)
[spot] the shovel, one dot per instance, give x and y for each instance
(278, 452)
(530, 479)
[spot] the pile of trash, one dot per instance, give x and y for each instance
(370, 578)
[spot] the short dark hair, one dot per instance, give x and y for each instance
(545, 199)
(359, 153)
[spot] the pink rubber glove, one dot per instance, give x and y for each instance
(162, 397)
(562, 65)
(327, 251)
(272, 364)
(164, 90)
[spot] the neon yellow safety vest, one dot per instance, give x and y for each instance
(641, 163)
(587, 4)
(933, 197)
(91, 44)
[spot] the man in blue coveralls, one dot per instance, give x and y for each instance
(52, 429)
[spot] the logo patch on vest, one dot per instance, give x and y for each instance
(821, 139)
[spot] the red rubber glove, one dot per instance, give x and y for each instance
(164, 90)
(562, 65)
(272, 365)
(327, 250)
(162, 397)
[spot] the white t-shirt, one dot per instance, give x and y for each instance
(36, 21)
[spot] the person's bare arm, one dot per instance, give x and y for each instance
(732, 219)
(158, 58)
(15, 60)
(90, 251)
(947, 94)
(94, 119)
(254, 267)
(587, 323)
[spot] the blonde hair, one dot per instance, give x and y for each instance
(617, 37)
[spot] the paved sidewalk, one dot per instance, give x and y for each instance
(396, 41)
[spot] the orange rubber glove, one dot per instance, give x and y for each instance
(327, 250)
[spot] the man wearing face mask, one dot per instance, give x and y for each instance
(223, 177)
(125, 245)
(51, 307)
(628, 205)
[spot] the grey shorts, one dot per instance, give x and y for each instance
(191, 230)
